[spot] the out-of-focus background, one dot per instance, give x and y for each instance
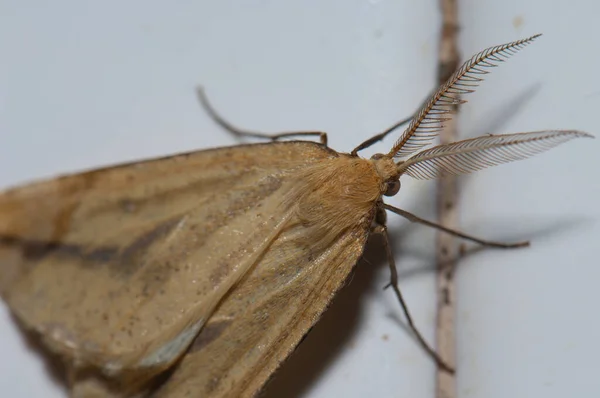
(85, 84)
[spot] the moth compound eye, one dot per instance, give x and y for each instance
(392, 188)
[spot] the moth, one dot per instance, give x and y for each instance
(198, 274)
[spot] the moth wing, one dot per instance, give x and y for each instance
(119, 268)
(95, 387)
(265, 317)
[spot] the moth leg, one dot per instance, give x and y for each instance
(411, 217)
(238, 132)
(380, 228)
(380, 136)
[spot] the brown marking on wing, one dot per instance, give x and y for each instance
(125, 262)
(76, 187)
(128, 205)
(128, 261)
(131, 259)
(154, 277)
(254, 195)
(208, 334)
(35, 250)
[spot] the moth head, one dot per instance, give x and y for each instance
(388, 170)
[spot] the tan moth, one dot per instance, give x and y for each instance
(197, 274)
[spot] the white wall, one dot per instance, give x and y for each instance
(84, 85)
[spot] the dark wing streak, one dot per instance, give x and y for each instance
(34, 250)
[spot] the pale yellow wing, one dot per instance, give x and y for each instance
(119, 268)
(265, 317)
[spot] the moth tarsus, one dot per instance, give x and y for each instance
(381, 229)
(220, 261)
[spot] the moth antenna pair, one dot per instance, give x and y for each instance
(473, 154)
(429, 120)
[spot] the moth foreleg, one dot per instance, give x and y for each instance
(380, 228)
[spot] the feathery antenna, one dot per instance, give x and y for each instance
(427, 123)
(478, 153)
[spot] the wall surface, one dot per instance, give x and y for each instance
(84, 85)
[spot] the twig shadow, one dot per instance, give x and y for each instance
(546, 230)
(494, 123)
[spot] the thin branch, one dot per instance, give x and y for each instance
(447, 213)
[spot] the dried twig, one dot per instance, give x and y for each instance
(447, 212)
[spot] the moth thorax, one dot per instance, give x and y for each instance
(388, 171)
(336, 193)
